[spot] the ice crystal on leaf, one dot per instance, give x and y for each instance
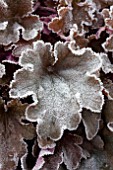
(12, 133)
(15, 15)
(62, 82)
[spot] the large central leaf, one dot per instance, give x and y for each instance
(62, 82)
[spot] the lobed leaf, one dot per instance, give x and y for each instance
(66, 151)
(75, 13)
(15, 16)
(61, 86)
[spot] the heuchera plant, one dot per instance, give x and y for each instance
(56, 84)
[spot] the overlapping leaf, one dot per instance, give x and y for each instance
(108, 18)
(12, 133)
(108, 85)
(68, 152)
(108, 45)
(63, 80)
(91, 123)
(75, 13)
(100, 159)
(108, 113)
(15, 16)
(102, 3)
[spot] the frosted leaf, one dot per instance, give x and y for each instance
(105, 13)
(12, 133)
(108, 44)
(81, 65)
(8, 76)
(2, 70)
(10, 34)
(30, 27)
(19, 8)
(53, 161)
(77, 40)
(40, 161)
(89, 146)
(108, 113)
(107, 67)
(97, 142)
(100, 4)
(61, 86)
(22, 45)
(108, 85)
(16, 16)
(72, 152)
(108, 18)
(67, 150)
(98, 22)
(97, 161)
(76, 13)
(91, 122)
(6, 54)
(100, 159)
(63, 23)
(3, 25)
